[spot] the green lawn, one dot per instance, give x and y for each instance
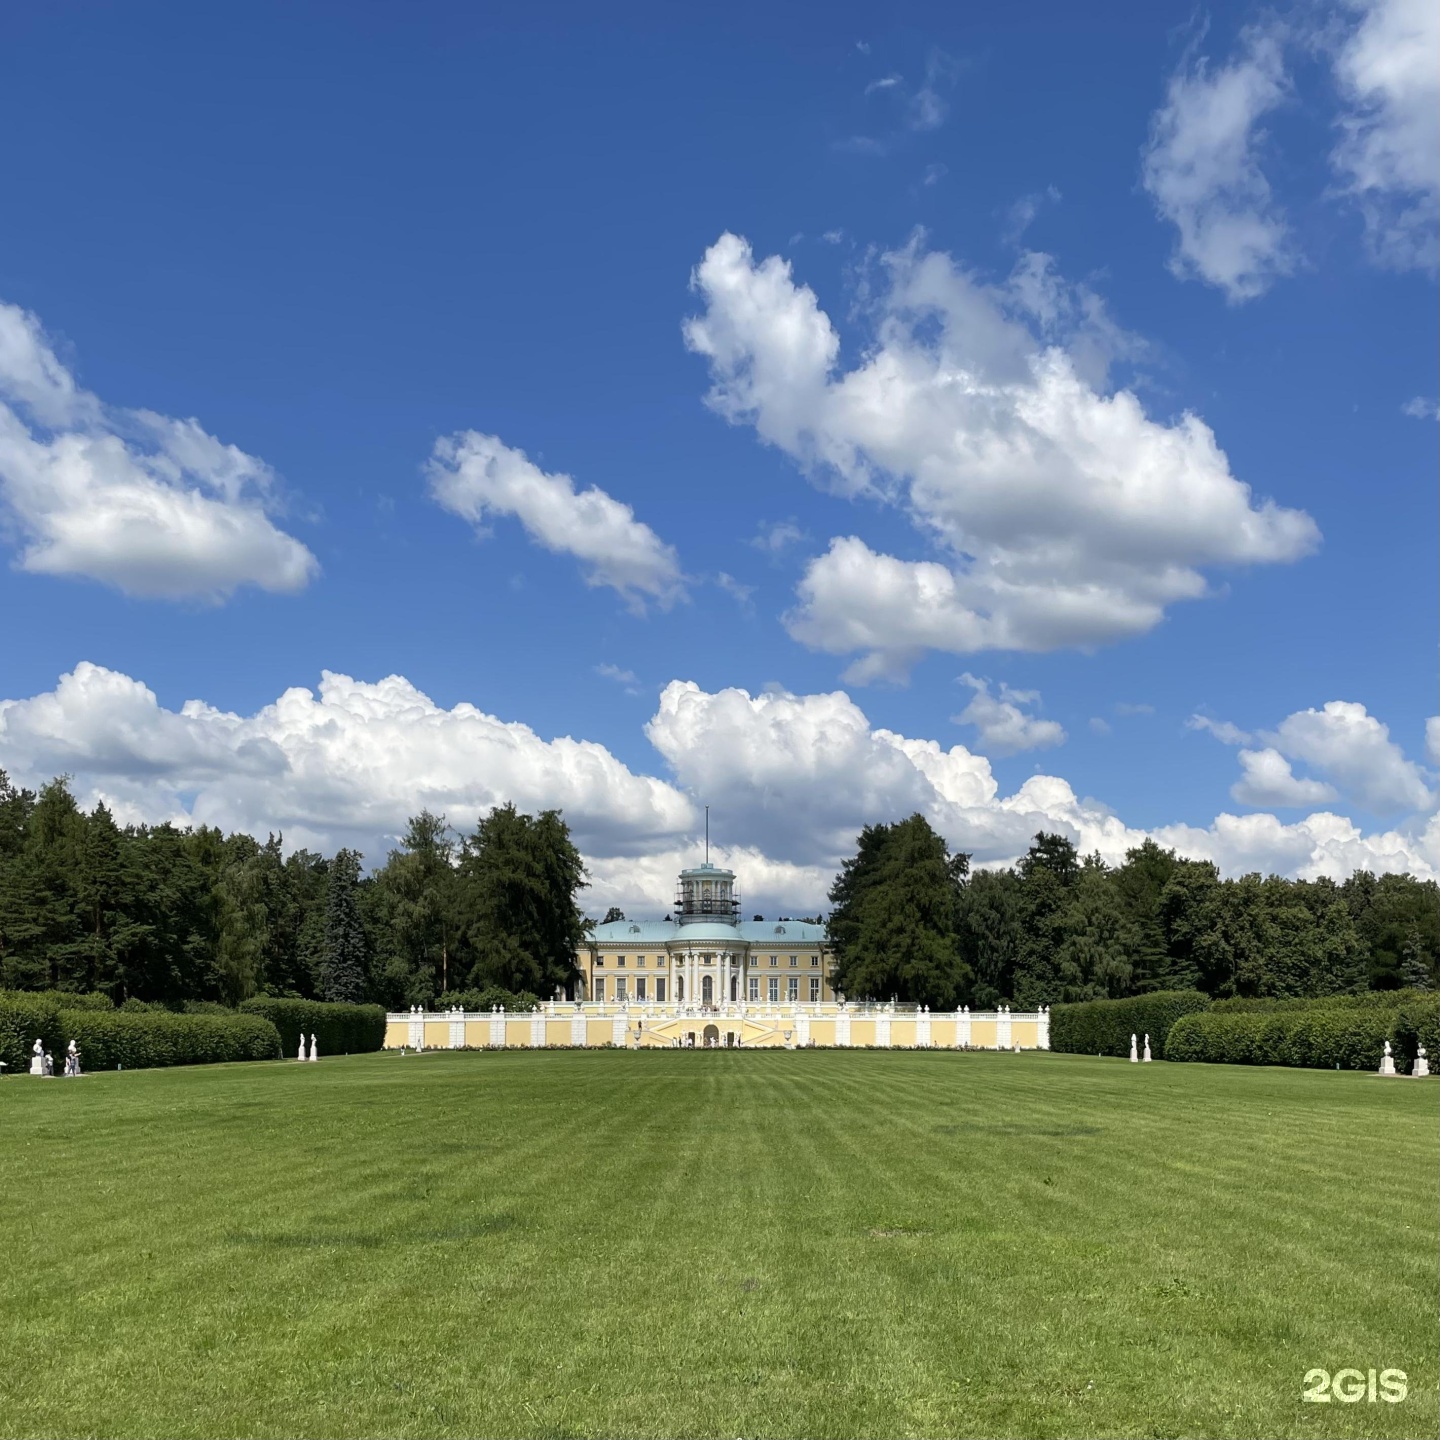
(822, 1243)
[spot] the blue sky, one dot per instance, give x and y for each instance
(882, 348)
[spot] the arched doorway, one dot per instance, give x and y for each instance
(734, 988)
(712, 1035)
(707, 989)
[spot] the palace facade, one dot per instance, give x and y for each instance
(703, 954)
(704, 978)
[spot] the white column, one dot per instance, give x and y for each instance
(962, 1027)
(1043, 1037)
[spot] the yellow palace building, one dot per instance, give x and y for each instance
(704, 978)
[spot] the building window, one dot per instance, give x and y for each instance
(774, 959)
(599, 961)
(660, 988)
(794, 960)
(679, 989)
(640, 961)
(619, 987)
(599, 987)
(754, 987)
(620, 961)
(639, 987)
(774, 988)
(792, 990)
(814, 989)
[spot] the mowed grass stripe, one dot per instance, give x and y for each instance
(819, 1243)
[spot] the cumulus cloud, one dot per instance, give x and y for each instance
(1343, 742)
(154, 506)
(1003, 726)
(478, 477)
(1421, 409)
(1388, 157)
(1267, 779)
(1349, 745)
(1201, 167)
(1069, 516)
(790, 778)
(345, 765)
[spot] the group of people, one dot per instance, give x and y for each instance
(43, 1063)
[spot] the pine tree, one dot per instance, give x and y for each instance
(342, 962)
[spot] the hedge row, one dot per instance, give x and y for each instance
(1367, 1000)
(1322, 1037)
(23, 1017)
(1104, 1027)
(143, 1042)
(339, 1029)
(1416, 1024)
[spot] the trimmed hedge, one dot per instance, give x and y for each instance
(1104, 1027)
(1416, 1024)
(146, 1041)
(340, 1029)
(23, 1017)
(1320, 1037)
(1366, 1000)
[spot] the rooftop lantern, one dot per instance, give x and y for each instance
(706, 892)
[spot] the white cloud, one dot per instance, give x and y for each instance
(775, 538)
(791, 779)
(1354, 749)
(1267, 779)
(1202, 170)
(1003, 725)
(1421, 409)
(739, 592)
(151, 505)
(1071, 517)
(1222, 730)
(627, 679)
(1343, 742)
(1432, 738)
(478, 476)
(1388, 159)
(344, 766)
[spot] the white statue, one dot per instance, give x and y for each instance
(1134, 1056)
(37, 1057)
(314, 1047)
(1147, 1049)
(301, 1054)
(1387, 1061)
(1422, 1064)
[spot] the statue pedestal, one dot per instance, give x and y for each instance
(1387, 1066)
(37, 1066)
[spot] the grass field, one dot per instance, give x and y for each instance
(821, 1243)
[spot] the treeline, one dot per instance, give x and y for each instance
(157, 914)
(912, 921)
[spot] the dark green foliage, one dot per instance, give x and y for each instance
(340, 1029)
(894, 922)
(65, 1000)
(412, 914)
(518, 877)
(489, 998)
(143, 1042)
(1104, 1027)
(1417, 1023)
(24, 1018)
(342, 958)
(1319, 1036)
(1366, 1000)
